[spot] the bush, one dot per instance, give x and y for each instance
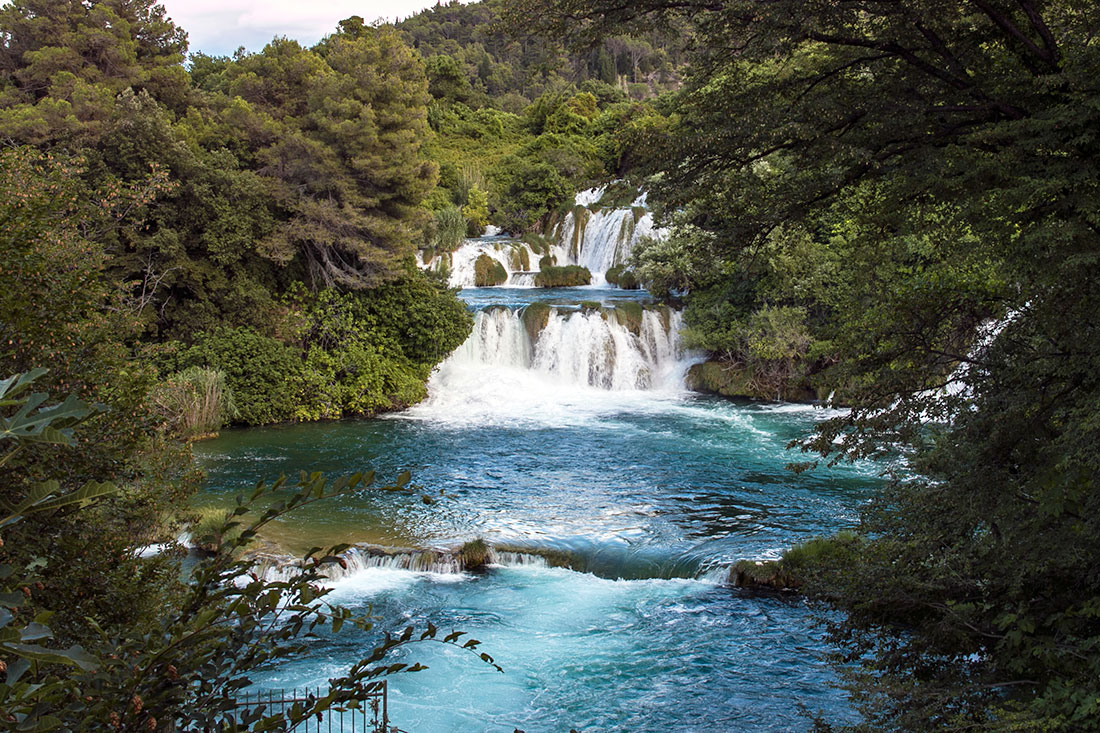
(622, 277)
(261, 372)
(474, 554)
(563, 277)
(449, 230)
(488, 272)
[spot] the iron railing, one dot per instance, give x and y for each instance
(372, 715)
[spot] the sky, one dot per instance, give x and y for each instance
(219, 27)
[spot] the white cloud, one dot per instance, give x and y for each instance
(219, 27)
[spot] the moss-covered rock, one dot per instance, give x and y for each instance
(736, 381)
(563, 277)
(535, 317)
(590, 305)
(519, 257)
(474, 555)
(768, 574)
(488, 272)
(547, 261)
(813, 559)
(629, 316)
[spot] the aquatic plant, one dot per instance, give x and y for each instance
(195, 402)
(474, 554)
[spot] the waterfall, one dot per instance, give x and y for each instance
(601, 238)
(363, 558)
(519, 261)
(579, 347)
(596, 238)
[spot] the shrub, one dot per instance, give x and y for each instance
(563, 277)
(474, 554)
(450, 229)
(261, 372)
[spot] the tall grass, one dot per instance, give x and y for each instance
(195, 402)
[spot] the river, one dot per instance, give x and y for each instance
(583, 442)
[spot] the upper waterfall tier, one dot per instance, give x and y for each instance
(590, 235)
(600, 238)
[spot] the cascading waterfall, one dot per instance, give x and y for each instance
(596, 238)
(360, 558)
(509, 253)
(603, 238)
(580, 348)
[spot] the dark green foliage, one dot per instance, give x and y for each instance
(449, 231)
(488, 272)
(529, 190)
(567, 276)
(263, 373)
(622, 277)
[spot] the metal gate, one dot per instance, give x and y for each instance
(372, 716)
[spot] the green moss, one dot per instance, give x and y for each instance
(538, 243)
(488, 272)
(535, 317)
(819, 556)
(580, 222)
(629, 316)
(547, 261)
(619, 275)
(474, 554)
(590, 305)
(563, 277)
(554, 558)
(769, 574)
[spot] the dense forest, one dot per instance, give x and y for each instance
(891, 206)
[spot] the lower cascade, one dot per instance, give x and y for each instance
(599, 348)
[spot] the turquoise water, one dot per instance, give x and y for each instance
(653, 491)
